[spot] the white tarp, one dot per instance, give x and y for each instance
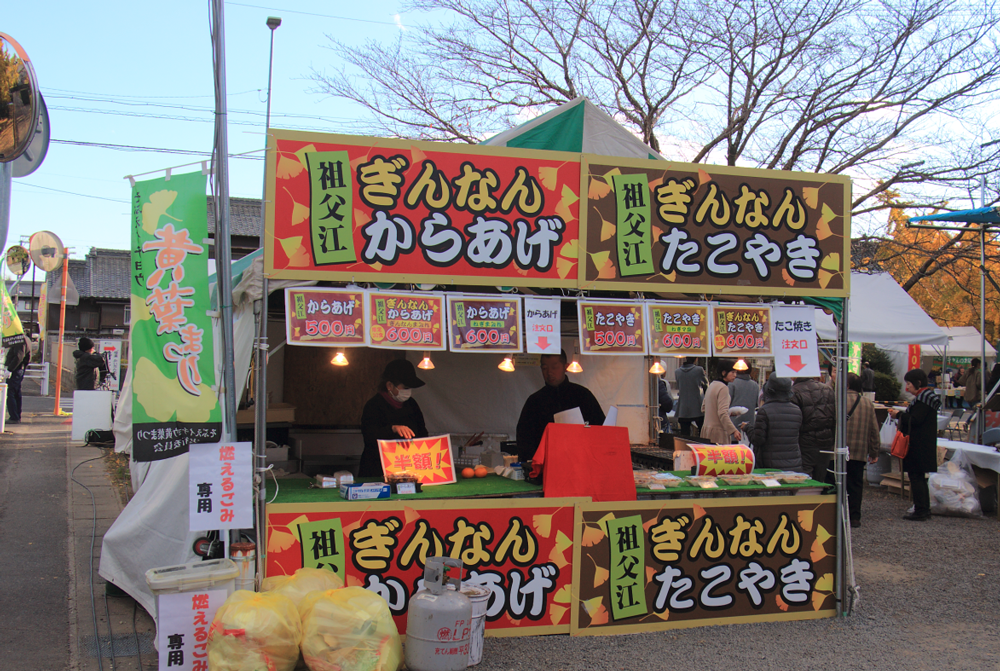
(882, 313)
(964, 341)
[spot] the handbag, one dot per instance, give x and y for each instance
(900, 445)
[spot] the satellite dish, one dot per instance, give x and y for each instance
(19, 108)
(18, 260)
(28, 162)
(46, 250)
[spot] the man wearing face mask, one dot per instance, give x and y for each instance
(390, 414)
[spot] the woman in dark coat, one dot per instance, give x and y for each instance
(775, 433)
(390, 414)
(919, 422)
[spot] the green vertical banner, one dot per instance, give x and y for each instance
(323, 545)
(172, 357)
(12, 329)
(634, 228)
(331, 206)
(628, 567)
(854, 358)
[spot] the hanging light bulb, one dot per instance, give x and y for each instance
(507, 365)
(339, 359)
(574, 365)
(740, 365)
(657, 368)
(426, 363)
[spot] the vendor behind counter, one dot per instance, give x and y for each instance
(391, 414)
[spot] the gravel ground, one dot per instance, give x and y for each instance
(930, 599)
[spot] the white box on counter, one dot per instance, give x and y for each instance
(362, 491)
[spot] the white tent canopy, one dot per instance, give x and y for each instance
(964, 341)
(881, 312)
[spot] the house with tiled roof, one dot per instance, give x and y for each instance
(244, 226)
(97, 297)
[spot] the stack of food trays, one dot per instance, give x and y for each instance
(737, 479)
(698, 480)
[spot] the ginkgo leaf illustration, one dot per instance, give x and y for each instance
(164, 399)
(293, 526)
(817, 552)
(556, 614)
(300, 212)
(600, 258)
(353, 581)
(825, 583)
(610, 175)
(590, 606)
(822, 535)
(563, 267)
(831, 262)
(597, 189)
(789, 280)
(650, 572)
(823, 229)
(417, 157)
(608, 229)
(569, 196)
(824, 277)
(810, 194)
(806, 519)
(563, 595)
(698, 511)
(703, 177)
(781, 602)
(516, 623)
(562, 209)
(410, 515)
(817, 600)
(549, 177)
(672, 277)
(828, 213)
(298, 255)
(600, 617)
(591, 536)
(649, 523)
(288, 166)
(603, 522)
(360, 217)
(653, 183)
(607, 271)
(558, 558)
(570, 250)
(279, 541)
(301, 153)
(665, 615)
(601, 575)
(157, 206)
(563, 541)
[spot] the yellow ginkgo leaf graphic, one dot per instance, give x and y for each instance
(828, 213)
(569, 196)
(563, 267)
(597, 189)
(601, 575)
(810, 194)
(806, 519)
(822, 535)
(824, 277)
(590, 606)
(558, 558)
(571, 249)
(300, 212)
(288, 166)
(831, 262)
(603, 522)
(556, 614)
(672, 277)
(823, 229)
(825, 583)
(163, 398)
(563, 541)
(608, 229)
(157, 206)
(563, 595)
(591, 536)
(360, 217)
(549, 177)
(703, 177)
(279, 541)
(542, 525)
(817, 600)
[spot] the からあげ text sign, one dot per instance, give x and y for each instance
(662, 226)
(406, 321)
(324, 317)
(480, 324)
(611, 328)
(646, 566)
(365, 209)
(519, 549)
(741, 330)
(428, 458)
(679, 329)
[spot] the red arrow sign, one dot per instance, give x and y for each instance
(543, 342)
(795, 363)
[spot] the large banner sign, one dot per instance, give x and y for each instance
(13, 332)
(520, 549)
(659, 226)
(662, 564)
(173, 400)
(367, 209)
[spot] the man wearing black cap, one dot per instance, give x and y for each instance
(86, 362)
(390, 414)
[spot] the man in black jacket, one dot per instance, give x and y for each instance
(557, 395)
(16, 362)
(819, 422)
(86, 362)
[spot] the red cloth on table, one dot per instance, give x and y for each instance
(577, 460)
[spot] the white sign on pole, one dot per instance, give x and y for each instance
(183, 621)
(220, 492)
(112, 351)
(542, 332)
(793, 334)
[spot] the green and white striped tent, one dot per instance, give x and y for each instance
(577, 126)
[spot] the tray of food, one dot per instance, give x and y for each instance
(701, 480)
(791, 477)
(736, 479)
(668, 480)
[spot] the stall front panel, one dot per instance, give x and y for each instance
(656, 565)
(522, 550)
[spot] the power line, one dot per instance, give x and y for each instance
(144, 97)
(72, 193)
(157, 150)
(322, 16)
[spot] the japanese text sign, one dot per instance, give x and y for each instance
(675, 563)
(723, 459)
(111, 350)
(364, 209)
(679, 329)
(480, 324)
(912, 356)
(519, 549)
(741, 330)
(183, 623)
(174, 402)
(406, 321)
(430, 459)
(655, 226)
(12, 330)
(793, 333)
(611, 328)
(542, 328)
(220, 486)
(324, 317)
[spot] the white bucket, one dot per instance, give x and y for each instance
(479, 596)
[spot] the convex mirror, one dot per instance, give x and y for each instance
(19, 100)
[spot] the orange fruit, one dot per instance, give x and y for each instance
(468, 473)
(481, 471)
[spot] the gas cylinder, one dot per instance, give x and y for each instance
(439, 620)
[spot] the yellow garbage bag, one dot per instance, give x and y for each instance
(254, 631)
(349, 629)
(305, 580)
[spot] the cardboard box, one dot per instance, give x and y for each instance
(683, 456)
(276, 413)
(276, 453)
(360, 492)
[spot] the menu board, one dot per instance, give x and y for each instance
(742, 330)
(484, 324)
(678, 329)
(324, 317)
(611, 328)
(412, 321)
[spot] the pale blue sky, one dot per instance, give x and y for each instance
(155, 60)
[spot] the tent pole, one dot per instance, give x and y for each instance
(840, 458)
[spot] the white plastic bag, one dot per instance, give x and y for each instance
(953, 488)
(887, 433)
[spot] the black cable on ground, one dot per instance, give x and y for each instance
(111, 631)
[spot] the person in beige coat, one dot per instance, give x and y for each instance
(719, 427)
